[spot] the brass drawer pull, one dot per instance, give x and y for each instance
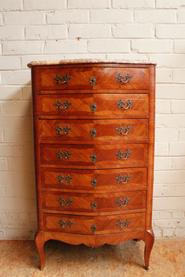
(93, 133)
(123, 155)
(123, 130)
(93, 158)
(65, 224)
(122, 179)
(92, 81)
(123, 79)
(93, 107)
(65, 202)
(62, 131)
(93, 205)
(64, 179)
(124, 105)
(122, 223)
(62, 106)
(62, 80)
(63, 155)
(93, 228)
(93, 182)
(122, 202)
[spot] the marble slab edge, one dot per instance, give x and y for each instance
(83, 61)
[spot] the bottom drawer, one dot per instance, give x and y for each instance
(95, 225)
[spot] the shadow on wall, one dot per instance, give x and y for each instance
(17, 198)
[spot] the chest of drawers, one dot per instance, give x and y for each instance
(94, 148)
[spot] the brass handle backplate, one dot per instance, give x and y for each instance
(63, 155)
(123, 130)
(122, 223)
(122, 179)
(122, 202)
(123, 155)
(62, 130)
(62, 80)
(123, 79)
(64, 179)
(65, 224)
(65, 202)
(124, 105)
(62, 106)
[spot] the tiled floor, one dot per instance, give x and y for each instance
(19, 259)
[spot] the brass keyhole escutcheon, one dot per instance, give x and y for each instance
(93, 133)
(94, 182)
(93, 158)
(93, 205)
(93, 228)
(93, 107)
(92, 81)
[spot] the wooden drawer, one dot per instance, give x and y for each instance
(85, 202)
(69, 131)
(94, 156)
(61, 78)
(93, 105)
(94, 180)
(95, 225)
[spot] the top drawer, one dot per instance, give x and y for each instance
(92, 78)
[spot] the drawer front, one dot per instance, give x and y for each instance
(93, 78)
(94, 180)
(81, 202)
(89, 105)
(95, 225)
(93, 130)
(99, 156)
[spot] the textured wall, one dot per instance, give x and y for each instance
(130, 30)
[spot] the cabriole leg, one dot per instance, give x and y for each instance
(149, 241)
(39, 241)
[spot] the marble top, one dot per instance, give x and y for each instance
(79, 61)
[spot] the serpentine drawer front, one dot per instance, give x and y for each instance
(95, 225)
(93, 106)
(99, 131)
(94, 180)
(90, 156)
(84, 202)
(94, 148)
(93, 78)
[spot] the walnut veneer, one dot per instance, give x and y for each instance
(94, 151)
